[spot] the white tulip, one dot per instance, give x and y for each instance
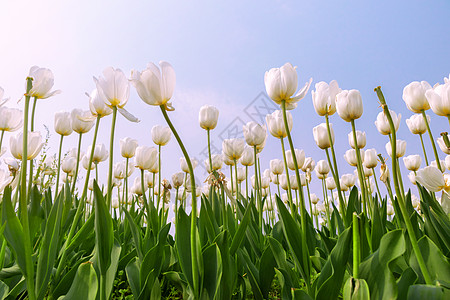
(412, 162)
(299, 156)
(401, 148)
(382, 122)
(349, 105)
(324, 97)
(414, 96)
(208, 116)
(275, 123)
(34, 144)
(321, 137)
(161, 135)
(416, 124)
(360, 139)
(63, 123)
(42, 83)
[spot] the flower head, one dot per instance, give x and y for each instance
(43, 81)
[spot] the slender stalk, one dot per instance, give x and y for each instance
(111, 156)
(246, 183)
(159, 178)
(1, 139)
(306, 260)
(260, 205)
(257, 193)
(125, 190)
(356, 247)
(59, 165)
(278, 185)
(236, 180)
(400, 198)
(78, 163)
(359, 169)
(423, 148)
(438, 162)
(195, 271)
(145, 201)
(231, 178)
(376, 183)
(209, 149)
(334, 171)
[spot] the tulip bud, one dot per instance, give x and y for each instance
(283, 181)
(439, 99)
(145, 157)
(100, 153)
(34, 145)
(330, 183)
(390, 210)
(63, 125)
(11, 118)
(348, 180)
(401, 148)
(308, 165)
(85, 162)
(275, 123)
(416, 124)
(414, 96)
(254, 133)
(321, 138)
(208, 116)
(217, 162)
(240, 174)
(322, 168)
(415, 201)
(382, 122)
(293, 182)
(115, 202)
(128, 147)
(248, 157)
(412, 162)
(314, 198)
(324, 97)
(412, 177)
(161, 135)
(351, 158)
(184, 166)
(265, 182)
(81, 120)
(68, 164)
(299, 156)
(233, 148)
(137, 187)
(349, 105)
(343, 187)
(360, 138)
(367, 172)
(370, 158)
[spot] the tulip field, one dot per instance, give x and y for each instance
(242, 231)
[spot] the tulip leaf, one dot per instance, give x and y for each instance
(420, 292)
(212, 271)
(4, 289)
(183, 244)
(85, 284)
(240, 233)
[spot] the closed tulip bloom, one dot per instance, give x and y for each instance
(350, 157)
(43, 81)
(401, 148)
(382, 122)
(367, 172)
(299, 156)
(155, 86)
(330, 183)
(85, 162)
(431, 178)
(233, 148)
(184, 166)
(275, 123)
(314, 198)
(360, 139)
(148, 179)
(348, 180)
(321, 138)
(178, 179)
(274, 178)
(370, 158)
(137, 187)
(145, 157)
(128, 147)
(281, 84)
(308, 165)
(293, 182)
(240, 174)
(114, 86)
(414, 96)
(63, 124)
(412, 162)
(439, 99)
(120, 169)
(254, 133)
(34, 144)
(349, 105)
(443, 146)
(97, 104)
(283, 182)
(324, 97)
(412, 177)
(217, 163)
(415, 201)
(100, 153)
(81, 120)
(161, 135)
(68, 164)
(11, 119)
(276, 166)
(322, 169)
(416, 124)
(208, 116)
(248, 157)
(390, 210)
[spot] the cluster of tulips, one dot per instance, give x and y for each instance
(65, 235)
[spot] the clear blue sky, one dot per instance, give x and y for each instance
(220, 51)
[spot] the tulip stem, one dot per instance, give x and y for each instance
(159, 179)
(356, 246)
(359, 169)
(209, 150)
(59, 165)
(78, 163)
(438, 162)
(376, 184)
(125, 190)
(111, 156)
(423, 148)
(1, 140)
(236, 180)
(246, 183)
(147, 208)
(335, 172)
(29, 267)
(195, 271)
(306, 260)
(401, 202)
(289, 192)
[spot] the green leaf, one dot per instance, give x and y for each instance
(132, 270)
(104, 235)
(183, 244)
(267, 265)
(156, 291)
(356, 289)
(407, 279)
(4, 289)
(212, 270)
(85, 284)
(420, 292)
(330, 279)
(136, 232)
(240, 233)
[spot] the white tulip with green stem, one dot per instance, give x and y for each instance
(439, 99)
(160, 136)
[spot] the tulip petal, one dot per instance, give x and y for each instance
(128, 115)
(302, 93)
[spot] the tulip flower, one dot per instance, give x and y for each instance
(416, 124)
(275, 123)
(68, 164)
(412, 162)
(349, 105)
(145, 157)
(97, 104)
(178, 179)
(137, 187)
(439, 99)
(155, 86)
(308, 165)
(11, 119)
(322, 169)
(81, 120)
(63, 124)
(299, 155)
(233, 148)
(360, 138)
(208, 116)
(161, 135)
(412, 177)
(34, 145)
(184, 166)
(320, 133)
(247, 159)
(350, 157)
(382, 123)
(370, 158)
(276, 166)
(324, 97)
(281, 84)
(330, 183)
(100, 153)
(85, 163)
(414, 96)
(348, 180)
(5, 180)
(432, 179)
(254, 133)
(217, 163)
(443, 146)
(401, 148)
(43, 81)
(128, 147)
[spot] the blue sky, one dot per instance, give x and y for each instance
(220, 51)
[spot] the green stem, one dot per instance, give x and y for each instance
(376, 184)
(359, 169)
(1, 140)
(125, 190)
(236, 180)
(195, 271)
(246, 183)
(423, 148)
(257, 191)
(59, 165)
(306, 260)
(356, 247)
(159, 179)
(78, 164)
(209, 149)
(147, 208)
(400, 198)
(438, 162)
(335, 172)
(231, 178)
(111, 156)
